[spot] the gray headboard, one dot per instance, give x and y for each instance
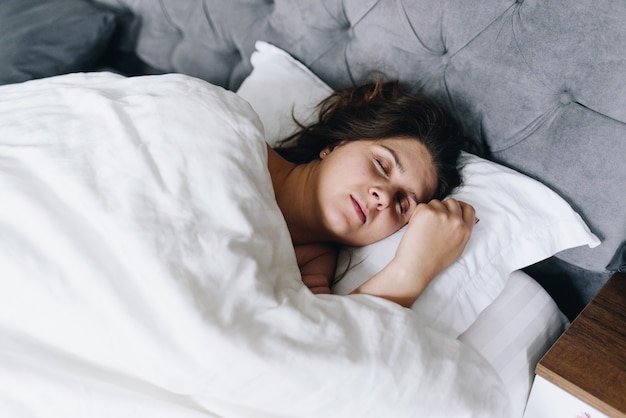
(541, 82)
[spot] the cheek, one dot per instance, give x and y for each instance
(388, 225)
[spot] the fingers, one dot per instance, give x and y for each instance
(455, 208)
(321, 290)
(317, 283)
(468, 213)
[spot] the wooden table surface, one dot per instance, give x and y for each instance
(589, 359)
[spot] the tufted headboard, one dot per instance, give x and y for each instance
(541, 83)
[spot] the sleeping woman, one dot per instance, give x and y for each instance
(378, 159)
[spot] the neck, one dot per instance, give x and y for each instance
(294, 191)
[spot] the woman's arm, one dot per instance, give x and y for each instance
(435, 238)
(317, 264)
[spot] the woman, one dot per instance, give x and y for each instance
(377, 159)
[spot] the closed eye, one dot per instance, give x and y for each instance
(404, 204)
(382, 166)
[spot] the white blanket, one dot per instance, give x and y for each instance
(146, 271)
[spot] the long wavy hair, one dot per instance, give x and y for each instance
(378, 111)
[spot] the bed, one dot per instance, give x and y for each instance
(147, 272)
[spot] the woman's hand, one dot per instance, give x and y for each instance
(317, 264)
(436, 236)
(317, 283)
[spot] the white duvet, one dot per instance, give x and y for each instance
(146, 271)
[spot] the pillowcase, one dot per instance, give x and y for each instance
(278, 86)
(41, 38)
(521, 220)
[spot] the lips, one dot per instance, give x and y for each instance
(359, 211)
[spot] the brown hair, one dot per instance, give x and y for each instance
(378, 111)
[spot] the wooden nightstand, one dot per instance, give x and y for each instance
(584, 372)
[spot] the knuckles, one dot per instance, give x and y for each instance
(450, 215)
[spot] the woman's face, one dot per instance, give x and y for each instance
(369, 189)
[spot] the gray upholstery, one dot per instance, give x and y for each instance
(42, 38)
(542, 83)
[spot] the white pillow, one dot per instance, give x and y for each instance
(521, 221)
(279, 85)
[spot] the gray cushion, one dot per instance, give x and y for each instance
(542, 83)
(40, 38)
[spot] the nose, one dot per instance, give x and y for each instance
(381, 197)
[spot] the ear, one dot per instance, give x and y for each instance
(330, 148)
(325, 152)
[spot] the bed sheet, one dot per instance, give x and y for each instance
(514, 332)
(147, 271)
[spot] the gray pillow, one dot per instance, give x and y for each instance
(41, 38)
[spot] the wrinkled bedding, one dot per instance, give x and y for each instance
(147, 271)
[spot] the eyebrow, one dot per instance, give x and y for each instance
(397, 162)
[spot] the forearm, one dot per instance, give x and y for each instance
(397, 284)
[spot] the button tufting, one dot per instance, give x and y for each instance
(445, 60)
(520, 1)
(346, 29)
(566, 98)
(350, 31)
